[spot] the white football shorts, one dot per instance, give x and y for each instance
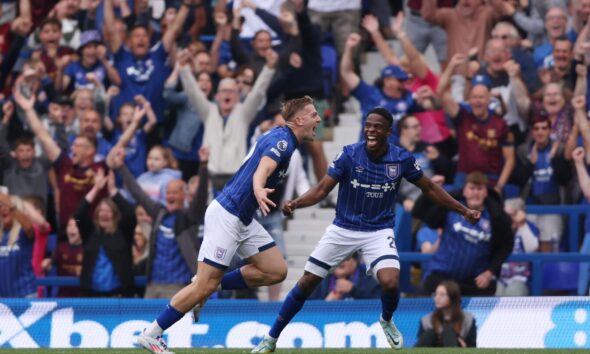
(225, 236)
(377, 249)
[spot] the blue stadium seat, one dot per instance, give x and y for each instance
(561, 276)
(52, 291)
(51, 243)
(329, 67)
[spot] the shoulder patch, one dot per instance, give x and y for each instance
(282, 145)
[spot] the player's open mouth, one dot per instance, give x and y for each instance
(371, 141)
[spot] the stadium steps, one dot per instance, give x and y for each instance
(308, 225)
(304, 231)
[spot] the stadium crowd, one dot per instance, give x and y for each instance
(184, 87)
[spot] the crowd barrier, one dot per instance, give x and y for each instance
(532, 322)
(537, 261)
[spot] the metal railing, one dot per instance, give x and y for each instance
(537, 260)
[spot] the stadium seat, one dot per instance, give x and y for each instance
(329, 67)
(561, 276)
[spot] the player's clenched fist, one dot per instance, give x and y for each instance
(289, 207)
(472, 215)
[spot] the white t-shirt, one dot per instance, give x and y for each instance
(333, 5)
(253, 23)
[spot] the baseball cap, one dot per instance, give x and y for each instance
(89, 37)
(395, 72)
(481, 80)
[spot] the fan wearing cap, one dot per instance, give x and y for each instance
(92, 69)
(485, 142)
(143, 68)
(389, 92)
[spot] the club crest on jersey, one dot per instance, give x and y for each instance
(220, 253)
(392, 170)
(282, 145)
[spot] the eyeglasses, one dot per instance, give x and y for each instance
(244, 82)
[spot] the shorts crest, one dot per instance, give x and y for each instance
(220, 253)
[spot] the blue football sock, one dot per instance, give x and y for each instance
(292, 305)
(168, 317)
(389, 303)
(233, 281)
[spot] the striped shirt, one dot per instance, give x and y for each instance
(16, 270)
(169, 265)
(368, 187)
(238, 195)
(465, 249)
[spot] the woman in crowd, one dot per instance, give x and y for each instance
(107, 266)
(448, 325)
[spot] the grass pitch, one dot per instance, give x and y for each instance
(299, 351)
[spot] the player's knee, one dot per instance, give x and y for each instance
(279, 274)
(390, 282)
(308, 282)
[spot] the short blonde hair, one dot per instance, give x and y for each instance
(292, 107)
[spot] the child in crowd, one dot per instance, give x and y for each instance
(162, 168)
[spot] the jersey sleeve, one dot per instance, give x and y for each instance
(278, 149)
(338, 166)
(411, 168)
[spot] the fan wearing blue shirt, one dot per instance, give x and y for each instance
(229, 226)
(471, 254)
(369, 174)
(93, 60)
(389, 92)
(143, 69)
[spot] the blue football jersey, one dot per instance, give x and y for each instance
(368, 187)
(465, 249)
(237, 196)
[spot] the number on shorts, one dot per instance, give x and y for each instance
(391, 243)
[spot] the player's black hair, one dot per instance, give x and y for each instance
(383, 113)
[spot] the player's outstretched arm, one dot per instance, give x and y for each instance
(441, 197)
(266, 167)
(312, 196)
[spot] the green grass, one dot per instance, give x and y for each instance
(298, 351)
